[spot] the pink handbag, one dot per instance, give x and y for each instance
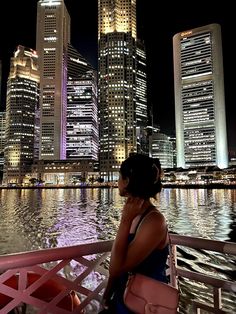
(144, 295)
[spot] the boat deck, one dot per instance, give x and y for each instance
(83, 268)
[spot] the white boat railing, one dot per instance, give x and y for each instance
(83, 269)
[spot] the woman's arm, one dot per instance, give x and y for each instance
(150, 234)
(120, 247)
(108, 292)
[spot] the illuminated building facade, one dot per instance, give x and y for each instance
(2, 130)
(141, 99)
(82, 114)
(65, 172)
(21, 105)
(201, 137)
(53, 36)
(117, 86)
(162, 148)
(172, 138)
(2, 137)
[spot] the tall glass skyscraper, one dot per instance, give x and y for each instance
(21, 105)
(117, 86)
(2, 131)
(82, 118)
(2, 137)
(201, 136)
(53, 36)
(141, 99)
(162, 148)
(82, 112)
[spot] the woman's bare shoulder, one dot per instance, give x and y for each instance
(156, 214)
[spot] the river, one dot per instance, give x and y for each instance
(32, 219)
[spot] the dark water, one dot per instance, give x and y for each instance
(36, 219)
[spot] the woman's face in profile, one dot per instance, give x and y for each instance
(122, 184)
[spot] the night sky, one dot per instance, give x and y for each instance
(156, 26)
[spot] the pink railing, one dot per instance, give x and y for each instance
(43, 279)
(69, 267)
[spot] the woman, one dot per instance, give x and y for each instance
(141, 243)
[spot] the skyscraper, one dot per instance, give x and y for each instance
(162, 148)
(117, 87)
(53, 36)
(21, 105)
(2, 137)
(141, 99)
(82, 112)
(82, 118)
(201, 137)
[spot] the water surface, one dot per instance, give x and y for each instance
(45, 218)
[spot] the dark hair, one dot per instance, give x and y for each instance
(143, 173)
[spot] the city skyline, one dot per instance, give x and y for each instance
(158, 39)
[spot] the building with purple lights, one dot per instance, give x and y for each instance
(82, 138)
(2, 137)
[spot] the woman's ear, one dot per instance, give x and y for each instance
(126, 182)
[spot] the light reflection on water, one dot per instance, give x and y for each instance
(204, 213)
(35, 219)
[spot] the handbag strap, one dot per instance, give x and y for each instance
(147, 210)
(171, 259)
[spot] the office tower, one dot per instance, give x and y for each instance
(2, 137)
(36, 132)
(172, 138)
(82, 113)
(82, 118)
(162, 148)
(201, 137)
(117, 83)
(21, 103)
(53, 36)
(2, 130)
(141, 99)
(76, 64)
